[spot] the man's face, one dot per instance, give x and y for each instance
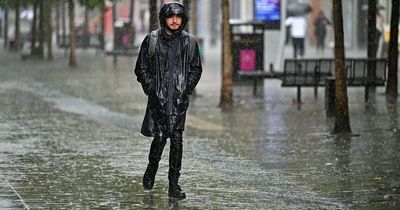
(174, 22)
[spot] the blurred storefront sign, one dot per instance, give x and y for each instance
(268, 12)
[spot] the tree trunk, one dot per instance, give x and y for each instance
(2, 4)
(63, 24)
(114, 18)
(373, 40)
(41, 29)
(342, 120)
(102, 28)
(72, 34)
(49, 29)
(393, 53)
(132, 29)
(226, 89)
(132, 12)
(33, 28)
(153, 15)
(5, 23)
(86, 38)
(17, 35)
(372, 31)
(57, 6)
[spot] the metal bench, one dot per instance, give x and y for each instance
(89, 41)
(357, 76)
(306, 73)
(257, 76)
(314, 72)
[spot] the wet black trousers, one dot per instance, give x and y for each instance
(175, 155)
(298, 47)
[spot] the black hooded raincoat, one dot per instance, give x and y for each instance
(169, 75)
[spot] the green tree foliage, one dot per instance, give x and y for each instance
(91, 4)
(23, 3)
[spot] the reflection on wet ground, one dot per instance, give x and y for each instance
(69, 140)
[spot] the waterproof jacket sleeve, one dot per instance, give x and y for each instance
(195, 70)
(143, 68)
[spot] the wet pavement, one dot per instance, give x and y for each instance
(69, 139)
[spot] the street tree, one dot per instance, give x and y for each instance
(72, 36)
(48, 27)
(44, 32)
(372, 35)
(16, 5)
(61, 26)
(372, 46)
(114, 19)
(90, 5)
(5, 4)
(33, 27)
(131, 12)
(17, 35)
(101, 6)
(393, 53)
(226, 100)
(342, 119)
(57, 19)
(41, 28)
(132, 30)
(63, 22)
(102, 27)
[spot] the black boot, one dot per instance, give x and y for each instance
(150, 175)
(176, 192)
(175, 161)
(156, 149)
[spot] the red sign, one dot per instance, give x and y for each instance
(247, 60)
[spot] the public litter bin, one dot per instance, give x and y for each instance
(247, 47)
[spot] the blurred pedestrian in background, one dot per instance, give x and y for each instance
(320, 24)
(298, 31)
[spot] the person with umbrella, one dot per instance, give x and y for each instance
(298, 27)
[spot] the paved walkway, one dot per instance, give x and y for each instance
(69, 140)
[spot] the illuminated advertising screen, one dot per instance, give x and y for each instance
(268, 12)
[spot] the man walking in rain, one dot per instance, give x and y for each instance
(169, 68)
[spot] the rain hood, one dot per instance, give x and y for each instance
(171, 9)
